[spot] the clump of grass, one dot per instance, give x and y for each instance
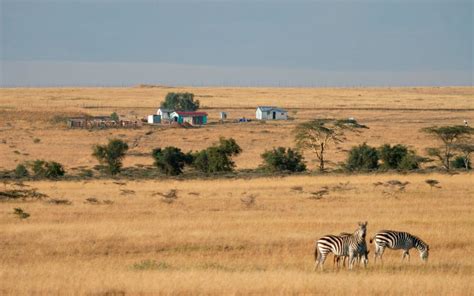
(36, 140)
(151, 265)
(297, 188)
(20, 213)
(126, 191)
(55, 201)
(249, 200)
(20, 194)
(433, 183)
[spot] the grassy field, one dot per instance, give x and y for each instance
(228, 236)
(212, 239)
(393, 115)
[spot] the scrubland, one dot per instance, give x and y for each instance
(228, 236)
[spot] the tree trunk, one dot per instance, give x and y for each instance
(321, 159)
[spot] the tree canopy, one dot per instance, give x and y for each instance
(180, 102)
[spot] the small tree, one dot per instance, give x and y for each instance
(466, 149)
(449, 136)
(114, 116)
(180, 102)
(391, 156)
(410, 161)
(362, 158)
(111, 155)
(460, 162)
(283, 160)
(170, 160)
(217, 158)
(317, 135)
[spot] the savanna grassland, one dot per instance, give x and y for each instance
(228, 236)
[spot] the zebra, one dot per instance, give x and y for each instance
(399, 240)
(362, 254)
(346, 245)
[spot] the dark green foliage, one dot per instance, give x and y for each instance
(460, 162)
(47, 169)
(392, 156)
(410, 161)
(180, 102)
(114, 116)
(362, 158)
(111, 155)
(21, 171)
(283, 160)
(217, 158)
(170, 160)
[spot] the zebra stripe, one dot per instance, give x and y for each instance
(397, 240)
(345, 245)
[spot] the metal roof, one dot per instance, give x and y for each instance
(271, 108)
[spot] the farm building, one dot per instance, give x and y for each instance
(153, 118)
(271, 113)
(164, 114)
(189, 117)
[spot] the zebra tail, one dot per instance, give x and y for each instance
(371, 239)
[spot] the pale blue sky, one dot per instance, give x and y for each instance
(287, 43)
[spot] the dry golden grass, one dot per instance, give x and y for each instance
(212, 239)
(210, 242)
(394, 115)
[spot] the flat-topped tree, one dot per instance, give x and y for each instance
(450, 136)
(180, 102)
(319, 134)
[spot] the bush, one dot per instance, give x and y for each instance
(180, 102)
(47, 169)
(362, 158)
(217, 158)
(114, 116)
(459, 162)
(21, 171)
(283, 160)
(409, 162)
(111, 155)
(54, 170)
(392, 156)
(170, 160)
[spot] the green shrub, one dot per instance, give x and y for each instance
(391, 156)
(362, 158)
(459, 162)
(54, 170)
(217, 158)
(21, 171)
(283, 160)
(409, 162)
(47, 169)
(114, 116)
(111, 155)
(170, 160)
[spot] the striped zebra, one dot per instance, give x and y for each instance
(397, 240)
(346, 245)
(362, 254)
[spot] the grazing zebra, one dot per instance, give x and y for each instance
(347, 245)
(362, 254)
(397, 240)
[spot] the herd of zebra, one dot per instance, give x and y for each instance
(354, 247)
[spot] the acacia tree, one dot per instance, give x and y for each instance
(317, 135)
(450, 136)
(111, 154)
(466, 150)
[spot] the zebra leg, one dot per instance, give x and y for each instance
(405, 253)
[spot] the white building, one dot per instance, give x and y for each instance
(153, 119)
(165, 114)
(271, 113)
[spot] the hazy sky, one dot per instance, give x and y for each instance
(301, 43)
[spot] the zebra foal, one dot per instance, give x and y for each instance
(345, 245)
(397, 240)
